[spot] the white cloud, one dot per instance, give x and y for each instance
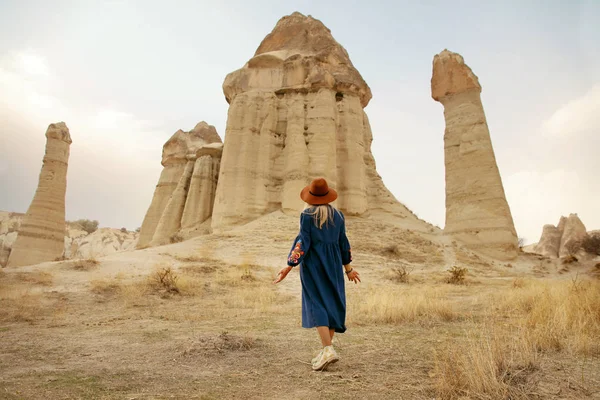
(579, 115)
(30, 64)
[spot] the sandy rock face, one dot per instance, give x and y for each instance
(103, 242)
(476, 209)
(296, 113)
(556, 240)
(549, 243)
(77, 243)
(41, 234)
(574, 232)
(185, 192)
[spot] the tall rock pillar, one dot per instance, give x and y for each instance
(477, 213)
(42, 233)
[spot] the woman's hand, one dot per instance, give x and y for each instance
(353, 276)
(282, 274)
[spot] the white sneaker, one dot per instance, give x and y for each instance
(314, 360)
(328, 356)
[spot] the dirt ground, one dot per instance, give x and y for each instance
(107, 329)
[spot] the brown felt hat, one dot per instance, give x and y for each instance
(318, 192)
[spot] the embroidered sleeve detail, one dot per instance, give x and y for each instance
(296, 253)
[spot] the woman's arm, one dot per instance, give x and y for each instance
(299, 248)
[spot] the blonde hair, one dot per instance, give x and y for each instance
(322, 214)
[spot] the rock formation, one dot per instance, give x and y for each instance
(556, 241)
(41, 235)
(477, 213)
(549, 243)
(184, 195)
(103, 242)
(77, 242)
(296, 113)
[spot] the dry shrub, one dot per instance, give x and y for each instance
(176, 238)
(400, 274)
(496, 365)
(591, 244)
(41, 278)
(557, 315)
(84, 264)
(87, 225)
(569, 259)
(457, 275)
(224, 342)
(392, 250)
(165, 280)
(395, 304)
(236, 275)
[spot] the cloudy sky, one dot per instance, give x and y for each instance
(125, 75)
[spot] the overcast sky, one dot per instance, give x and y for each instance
(125, 75)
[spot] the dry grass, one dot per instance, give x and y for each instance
(105, 287)
(224, 342)
(491, 365)
(87, 264)
(41, 278)
(395, 304)
(23, 303)
(559, 315)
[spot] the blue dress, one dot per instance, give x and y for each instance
(321, 253)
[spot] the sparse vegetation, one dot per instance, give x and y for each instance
(87, 225)
(490, 365)
(591, 244)
(392, 250)
(393, 305)
(457, 275)
(165, 279)
(41, 278)
(569, 259)
(176, 238)
(83, 264)
(124, 230)
(521, 242)
(401, 274)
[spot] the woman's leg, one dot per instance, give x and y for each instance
(324, 333)
(331, 333)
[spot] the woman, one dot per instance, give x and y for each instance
(322, 248)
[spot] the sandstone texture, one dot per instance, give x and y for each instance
(477, 212)
(77, 242)
(549, 243)
(556, 241)
(41, 234)
(184, 196)
(296, 113)
(103, 242)
(574, 232)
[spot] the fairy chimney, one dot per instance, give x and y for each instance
(477, 212)
(42, 232)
